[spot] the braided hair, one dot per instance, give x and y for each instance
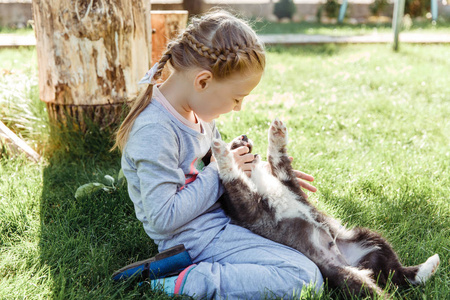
(218, 42)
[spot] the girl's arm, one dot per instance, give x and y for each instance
(166, 200)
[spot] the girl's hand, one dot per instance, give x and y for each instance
(244, 159)
(301, 177)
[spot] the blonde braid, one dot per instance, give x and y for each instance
(139, 105)
(227, 55)
(217, 55)
(201, 48)
(162, 62)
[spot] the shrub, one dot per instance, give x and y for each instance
(284, 9)
(378, 6)
(331, 8)
(417, 8)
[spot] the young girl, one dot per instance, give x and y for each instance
(214, 64)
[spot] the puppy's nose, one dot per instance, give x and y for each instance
(244, 138)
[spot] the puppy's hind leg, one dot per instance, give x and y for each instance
(381, 258)
(425, 270)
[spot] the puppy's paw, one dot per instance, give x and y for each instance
(241, 141)
(278, 134)
(427, 269)
(219, 148)
(223, 156)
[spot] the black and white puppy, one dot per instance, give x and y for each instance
(270, 203)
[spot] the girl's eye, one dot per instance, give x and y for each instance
(237, 101)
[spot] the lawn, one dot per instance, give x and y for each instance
(265, 27)
(20, 31)
(371, 125)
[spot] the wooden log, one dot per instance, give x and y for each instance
(13, 143)
(91, 53)
(166, 25)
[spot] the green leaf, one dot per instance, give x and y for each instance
(110, 179)
(121, 179)
(89, 189)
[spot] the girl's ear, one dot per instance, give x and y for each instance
(202, 80)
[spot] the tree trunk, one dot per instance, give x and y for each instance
(91, 54)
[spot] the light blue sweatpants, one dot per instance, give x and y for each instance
(239, 264)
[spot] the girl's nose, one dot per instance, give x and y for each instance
(238, 107)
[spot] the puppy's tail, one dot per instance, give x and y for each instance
(352, 281)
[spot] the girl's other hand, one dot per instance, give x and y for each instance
(244, 159)
(301, 177)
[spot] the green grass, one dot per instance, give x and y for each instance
(20, 106)
(22, 31)
(265, 27)
(371, 125)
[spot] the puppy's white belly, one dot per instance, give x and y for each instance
(280, 197)
(354, 252)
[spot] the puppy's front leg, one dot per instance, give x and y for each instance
(228, 170)
(241, 200)
(279, 161)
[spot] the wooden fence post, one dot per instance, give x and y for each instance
(166, 24)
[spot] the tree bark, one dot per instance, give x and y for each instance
(91, 54)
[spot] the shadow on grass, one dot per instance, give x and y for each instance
(84, 240)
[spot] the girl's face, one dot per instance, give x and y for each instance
(214, 98)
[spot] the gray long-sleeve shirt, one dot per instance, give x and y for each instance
(174, 194)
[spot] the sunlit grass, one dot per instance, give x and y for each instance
(265, 27)
(21, 31)
(20, 106)
(369, 124)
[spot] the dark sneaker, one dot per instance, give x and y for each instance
(167, 263)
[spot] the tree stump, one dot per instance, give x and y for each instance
(166, 25)
(91, 54)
